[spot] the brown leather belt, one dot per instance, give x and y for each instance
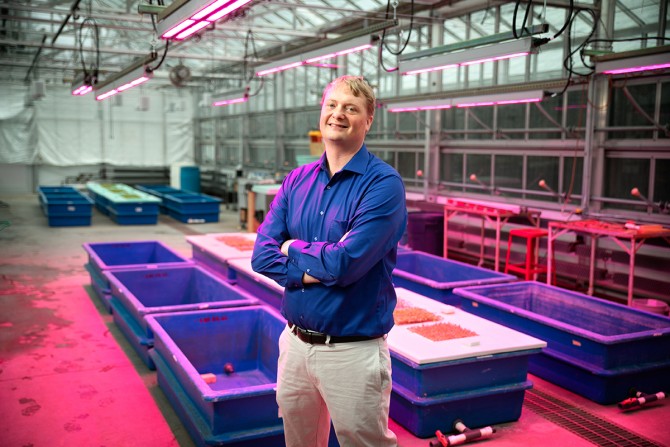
(317, 338)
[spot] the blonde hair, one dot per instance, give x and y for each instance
(358, 86)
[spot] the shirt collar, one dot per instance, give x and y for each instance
(357, 164)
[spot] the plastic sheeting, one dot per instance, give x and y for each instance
(62, 130)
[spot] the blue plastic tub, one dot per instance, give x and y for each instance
(468, 374)
(190, 344)
(436, 277)
(603, 386)
(591, 330)
(135, 334)
(477, 408)
(56, 189)
(157, 190)
(172, 289)
(489, 355)
(196, 425)
(65, 207)
(192, 203)
(190, 217)
(131, 254)
(100, 286)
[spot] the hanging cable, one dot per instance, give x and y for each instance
(382, 43)
(90, 77)
(250, 39)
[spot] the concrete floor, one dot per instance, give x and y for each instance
(68, 377)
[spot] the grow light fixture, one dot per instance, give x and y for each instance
(416, 63)
(130, 77)
(83, 85)
(350, 43)
(467, 101)
(183, 18)
(232, 97)
(648, 59)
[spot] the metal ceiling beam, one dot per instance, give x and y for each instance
(121, 51)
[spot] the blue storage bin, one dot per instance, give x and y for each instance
(135, 334)
(100, 286)
(56, 189)
(189, 217)
(431, 379)
(485, 354)
(603, 386)
(157, 190)
(131, 254)
(140, 218)
(171, 289)
(196, 425)
(600, 333)
(476, 408)
(199, 342)
(437, 277)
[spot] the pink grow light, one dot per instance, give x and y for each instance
(339, 53)
(210, 12)
(637, 69)
(277, 69)
(227, 102)
(82, 90)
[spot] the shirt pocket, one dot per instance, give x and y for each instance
(337, 229)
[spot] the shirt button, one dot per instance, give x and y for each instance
(303, 289)
(327, 187)
(308, 270)
(315, 238)
(321, 212)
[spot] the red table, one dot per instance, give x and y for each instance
(488, 213)
(635, 235)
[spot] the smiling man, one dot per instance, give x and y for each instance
(330, 238)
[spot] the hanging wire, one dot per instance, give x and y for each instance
(90, 76)
(250, 39)
(382, 44)
(568, 62)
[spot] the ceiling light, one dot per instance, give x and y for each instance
(415, 63)
(83, 84)
(184, 18)
(467, 101)
(231, 97)
(130, 77)
(655, 58)
(350, 43)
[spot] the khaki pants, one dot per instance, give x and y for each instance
(348, 382)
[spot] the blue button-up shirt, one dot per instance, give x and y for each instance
(364, 201)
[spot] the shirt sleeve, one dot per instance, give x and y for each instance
(267, 258)
(378, 224)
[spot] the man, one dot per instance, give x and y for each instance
(330, 238)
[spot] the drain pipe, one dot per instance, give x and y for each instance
(639, 400)
(466, 435)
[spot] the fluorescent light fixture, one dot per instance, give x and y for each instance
(130, 77)
(232, 97)
(83, 85)
(349, 43)
(184, 18)
(467, 101)
(412, 65)
(648, 59)
(340, 48)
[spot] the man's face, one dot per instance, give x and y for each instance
(344, 117)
